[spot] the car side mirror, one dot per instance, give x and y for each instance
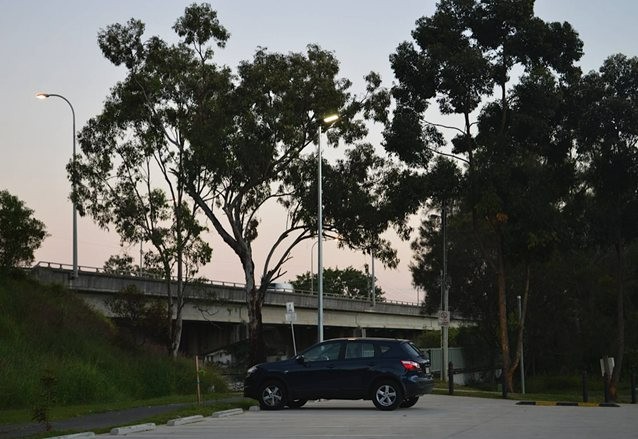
(300, 359)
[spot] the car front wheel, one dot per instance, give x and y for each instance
(272, 396)
(387, 395)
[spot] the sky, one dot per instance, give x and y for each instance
(51, 46)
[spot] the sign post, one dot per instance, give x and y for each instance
(291, 316)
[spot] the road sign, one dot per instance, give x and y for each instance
(444, 318)
(291, 317)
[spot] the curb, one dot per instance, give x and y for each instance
(120, 431)
(226, 413)
(185, 420)
(75, 435)
(568, 404)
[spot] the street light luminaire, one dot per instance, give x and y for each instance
(327, 120)
(41, 95)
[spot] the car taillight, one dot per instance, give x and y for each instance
(410, 366)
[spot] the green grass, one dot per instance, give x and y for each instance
(555, 394)
(205, 409)
(46, 332)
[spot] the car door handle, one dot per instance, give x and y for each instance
(331, 366)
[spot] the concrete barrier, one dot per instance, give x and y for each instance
(121, 431)
(185, 420)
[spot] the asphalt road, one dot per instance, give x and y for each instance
(433, 417)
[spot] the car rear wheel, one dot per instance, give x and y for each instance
(409, 402)
(387, 395)
(272, 396)
(296, 403)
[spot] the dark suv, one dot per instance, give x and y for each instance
(392, 373)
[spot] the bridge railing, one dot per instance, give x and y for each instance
(192, 291)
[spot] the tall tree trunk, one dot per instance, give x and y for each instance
(254, 301)
(521, 326)
(502, 316)
(620, 331)
(177, 332)
(257, 353)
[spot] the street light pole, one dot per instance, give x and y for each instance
(75, 210)
(520, 320)
(319, 241)
(312, 267)
(444, 287)
(328, 119)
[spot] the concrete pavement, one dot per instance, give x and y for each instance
(433, 417)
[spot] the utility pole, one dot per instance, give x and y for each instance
(444, 292)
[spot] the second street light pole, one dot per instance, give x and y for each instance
(444, 290)
(329, 119)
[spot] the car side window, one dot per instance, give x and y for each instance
(359, 350)
(323, 352)
(383, 349)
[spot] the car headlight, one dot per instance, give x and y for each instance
(251, 371)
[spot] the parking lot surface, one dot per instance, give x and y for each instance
(433, 417)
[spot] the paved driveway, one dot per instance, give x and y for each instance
(432, 417)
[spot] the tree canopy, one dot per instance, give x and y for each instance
(230, 143)
(348, 282)
(515, 154)
(21, 234)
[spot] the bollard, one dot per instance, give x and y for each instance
(585, 390)
(504, 384)
(633, 386)
(450, 376)
(606, 386)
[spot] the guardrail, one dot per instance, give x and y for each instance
(202, 280)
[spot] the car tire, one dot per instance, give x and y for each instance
(272, 396)
(387, 395)
(409, 402)
(296, 403)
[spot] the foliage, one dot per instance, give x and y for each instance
(81, 350)
(607, 148)
(237, 142)
(516, 155)
(20, 233)
(132, 173)
(47, 399)
(349, 282)
(142, 316)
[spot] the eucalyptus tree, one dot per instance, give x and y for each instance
(462, 58)
(607, 128)
(236, 143)
(261, 159)
(131, 172)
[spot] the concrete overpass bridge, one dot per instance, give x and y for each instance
(216, 315)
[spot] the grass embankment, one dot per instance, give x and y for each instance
(57, 353)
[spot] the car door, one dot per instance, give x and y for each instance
(317, 374)
(357, 369)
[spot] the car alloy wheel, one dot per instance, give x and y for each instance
(387, 395)
(272, 396)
